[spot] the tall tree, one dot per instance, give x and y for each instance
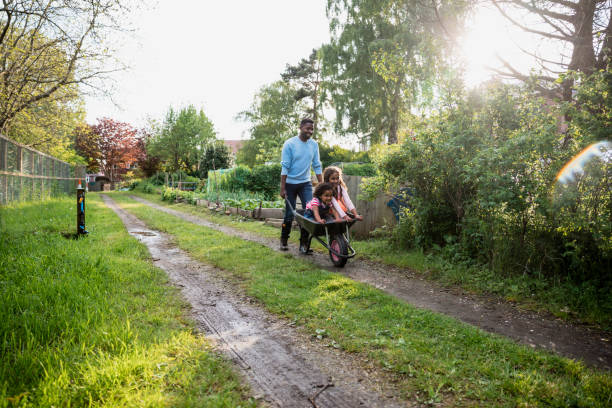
(274, 116)
(118, 144)
(583, 28)
(382, 54)
(49, 126)
(87, 145)
(307, 75)
(182, 138)
(49, 47)
(216, 155)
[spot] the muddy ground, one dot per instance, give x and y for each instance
(590, 345)
(284, 366)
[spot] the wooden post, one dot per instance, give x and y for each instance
(81, 210)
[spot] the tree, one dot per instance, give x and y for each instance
(216, 156)
(50, 49)
(274, 116)
(87, 145)
(118, 146)
(582, 27)
(182, 138)
(380, 59)
(148, 163)
(307, 75)
(49, 126)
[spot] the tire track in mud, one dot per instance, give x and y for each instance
(536, 330)
(283, 367)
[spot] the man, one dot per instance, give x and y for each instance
(299, 153)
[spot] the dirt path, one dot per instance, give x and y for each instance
(283, 366)
(592, 346)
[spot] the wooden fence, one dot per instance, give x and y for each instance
(375, 213)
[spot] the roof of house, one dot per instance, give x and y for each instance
(234, 145)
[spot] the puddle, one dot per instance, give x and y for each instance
(145, 233)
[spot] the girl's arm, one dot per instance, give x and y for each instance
(336, 207)
(349, 205)
(347, 200)
(317, 217)
(336, 216)
(357, 216)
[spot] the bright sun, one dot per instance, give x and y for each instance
(489, 34)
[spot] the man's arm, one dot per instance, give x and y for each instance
(283, 192)
(286, 159)
(316, 164)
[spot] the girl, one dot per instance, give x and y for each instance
(341, 200)
(320, 207)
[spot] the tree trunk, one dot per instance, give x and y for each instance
(583, 53)
(394, 123)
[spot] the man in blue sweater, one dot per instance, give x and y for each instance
(299, 153)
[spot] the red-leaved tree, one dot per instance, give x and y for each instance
(119, 146)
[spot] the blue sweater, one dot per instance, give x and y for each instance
(296, 159)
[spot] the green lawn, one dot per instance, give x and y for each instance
(586, 303)
(433, 357)
(91, 322)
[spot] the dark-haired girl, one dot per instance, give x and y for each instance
(320, 208)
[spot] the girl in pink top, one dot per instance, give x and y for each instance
(341, 201)
(320, 208)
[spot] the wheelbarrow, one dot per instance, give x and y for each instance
(337, 237)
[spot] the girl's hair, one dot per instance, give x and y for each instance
(321, 188)
(329, 171)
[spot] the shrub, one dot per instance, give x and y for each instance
(363, 169)
(265, 179)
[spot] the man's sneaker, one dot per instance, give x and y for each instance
(283, 244)
(305, 250)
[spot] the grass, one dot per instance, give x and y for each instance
(91, 322)
(566, 300)
(433, 357)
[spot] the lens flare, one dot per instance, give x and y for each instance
(574, 170)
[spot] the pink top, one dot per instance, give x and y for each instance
(314, 203)
(347, 202)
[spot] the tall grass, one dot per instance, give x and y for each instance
(91, 322)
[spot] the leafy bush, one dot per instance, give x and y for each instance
(169, 194)
(333, 154)
(364, 169)
(264, 179)
(483, 170)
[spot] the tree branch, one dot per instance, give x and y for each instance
(541, 12)
(530, 30)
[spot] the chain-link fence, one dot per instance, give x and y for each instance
(27, 174)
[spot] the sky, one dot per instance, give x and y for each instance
(217, 55)
(214, 55)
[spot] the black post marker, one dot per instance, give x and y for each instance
(81, 210)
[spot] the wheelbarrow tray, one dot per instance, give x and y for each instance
(317, 229)
(329, 229)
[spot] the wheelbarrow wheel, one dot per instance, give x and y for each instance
(338, 244)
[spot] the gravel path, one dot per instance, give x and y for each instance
(592, 346)
(284, 367)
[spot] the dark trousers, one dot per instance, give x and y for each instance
(304, 191)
